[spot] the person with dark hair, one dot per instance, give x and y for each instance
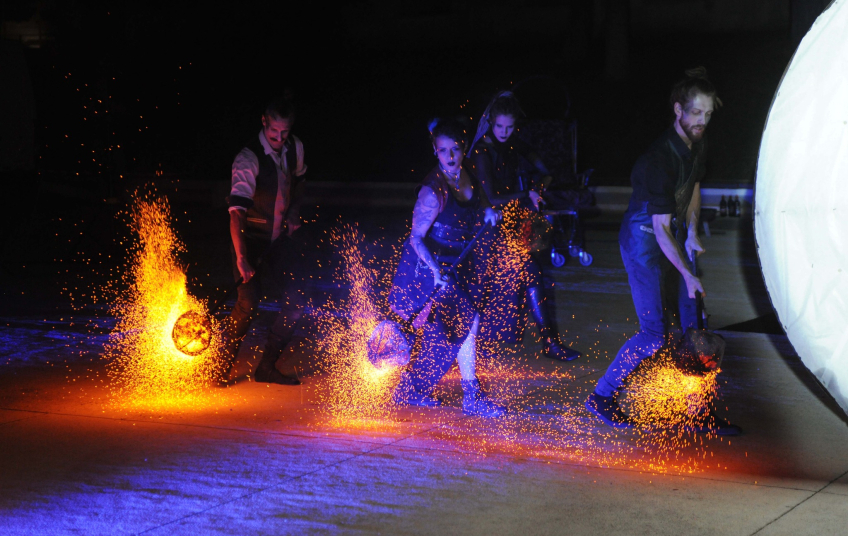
(659, 241)
(510, 171)
(267, 182)
(449, 207)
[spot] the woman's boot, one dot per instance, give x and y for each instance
(475, 401)
(550, 338)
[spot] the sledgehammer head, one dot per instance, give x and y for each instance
(699, 352)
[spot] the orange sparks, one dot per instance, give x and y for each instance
(356, 392)
(145, 366)
(546, 419)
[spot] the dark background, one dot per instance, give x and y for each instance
(180, 86)
(100, 97)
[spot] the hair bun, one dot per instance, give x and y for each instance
(699, 72)
(432, 124)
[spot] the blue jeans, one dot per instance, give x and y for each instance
(648, 286)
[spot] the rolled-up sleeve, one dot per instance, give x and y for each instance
(245, 169)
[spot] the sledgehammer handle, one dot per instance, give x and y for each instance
(459, 259)
(699, 300)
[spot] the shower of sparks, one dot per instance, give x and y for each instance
(668, 405)
(146, 368)
(547, 418)
(356, 392)
(505, 272)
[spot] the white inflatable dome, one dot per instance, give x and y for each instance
(801, 201)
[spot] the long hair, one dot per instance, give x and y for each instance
(503, 103)
(685, 90)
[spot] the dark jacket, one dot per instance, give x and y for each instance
(506, 171)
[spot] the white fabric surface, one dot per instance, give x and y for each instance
(801, 201)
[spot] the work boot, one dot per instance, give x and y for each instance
(266, 371)
(406, 395)
(475, 401)
(553, 348)
(607, 409)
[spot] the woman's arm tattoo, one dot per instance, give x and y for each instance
(423, 215)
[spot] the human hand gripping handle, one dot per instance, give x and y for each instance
(694, 248)
(440, 280)
(491, 216)
(678, 257)
(245, 269)
(693, 284)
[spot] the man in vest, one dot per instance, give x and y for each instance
(659, 241)
(267, 181)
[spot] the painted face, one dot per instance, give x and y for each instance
(693, 119)
(276, 131)
(503, 127)
(449, 152)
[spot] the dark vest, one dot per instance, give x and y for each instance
(454, 226)
(637, 231)
(413, 282)
(260, 217)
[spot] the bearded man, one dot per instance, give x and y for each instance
(659, 241)
(267, 185)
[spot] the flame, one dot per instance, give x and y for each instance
(145, 366)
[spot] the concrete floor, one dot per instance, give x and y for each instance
(258, 459)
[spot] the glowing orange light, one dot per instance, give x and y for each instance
(145, 365)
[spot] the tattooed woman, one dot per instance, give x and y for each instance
(450, 205)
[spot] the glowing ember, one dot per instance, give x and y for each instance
(145, 365)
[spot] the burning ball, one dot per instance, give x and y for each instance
(387, 346)
(191, 333)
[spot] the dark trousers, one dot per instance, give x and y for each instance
(434, 359)
(275, 272)
(653, 289)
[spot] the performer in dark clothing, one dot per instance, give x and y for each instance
(659, 238)
(450, 205)
(510, 171)
(267, 181)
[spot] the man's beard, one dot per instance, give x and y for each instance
(691, 132)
